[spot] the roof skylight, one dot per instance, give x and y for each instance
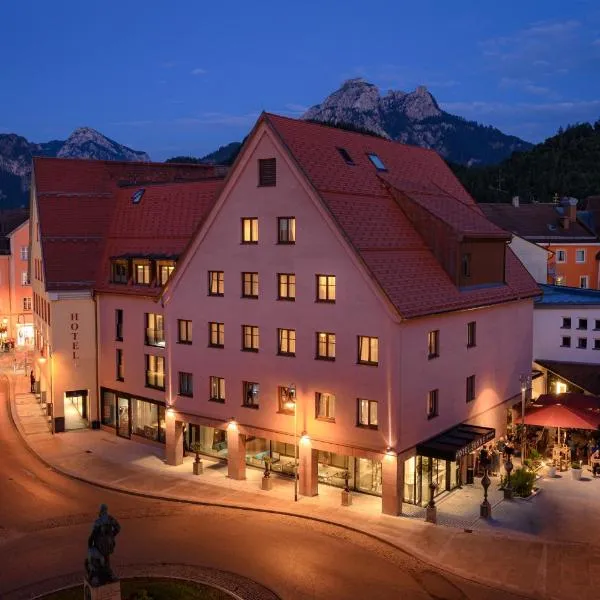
(344, 154)
(377, 162)
(136, 197)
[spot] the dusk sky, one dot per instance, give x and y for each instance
(184, 77)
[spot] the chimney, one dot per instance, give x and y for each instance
(569, 210)
(515, 201)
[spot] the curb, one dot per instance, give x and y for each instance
(409, 550)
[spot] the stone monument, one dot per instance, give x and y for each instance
(100, 583)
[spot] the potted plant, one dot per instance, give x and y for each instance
(197, 465)
(576, 470)
(346, 494)
(267, 483)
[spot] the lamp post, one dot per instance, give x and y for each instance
(291, 404)
(525, 384)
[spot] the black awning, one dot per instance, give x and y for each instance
(456, 442)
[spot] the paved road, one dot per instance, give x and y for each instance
(45, 519)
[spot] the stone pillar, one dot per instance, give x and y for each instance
(174, 439)
(308, 469)
(392, 484)
(236, 453)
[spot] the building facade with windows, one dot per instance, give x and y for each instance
(566, 233)
(345, 292)
(16, 317)
(76, 222)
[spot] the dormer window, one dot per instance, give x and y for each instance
(344, 154)
(120, 271)
(165, 269)
(377, 162)
(466, 265)
(141, 272)
(267, 172)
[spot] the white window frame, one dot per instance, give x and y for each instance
(25, 280)
(577, 251)
(24, 252)
(558, 251)
(584, 279)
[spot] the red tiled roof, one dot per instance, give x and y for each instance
(378, 229)
(536, 222)
(162, 224)
(76, 202)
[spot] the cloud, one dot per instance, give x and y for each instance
(199, 71)
(524, 85)
(544, 28)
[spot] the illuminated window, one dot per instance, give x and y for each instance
(368, 350)
(25, 280)
(249, 285)
(250, 230)
(164, 272)
(367, 413)
(216, 283)
(27, 303)
(155, 371)
(141, 273)
(286, 286)
(216, 332)
(217, 389)
(155, 330)
(324, 406)
(286, 230)
(325, 288)
(561, 388)
(433, 343)
(286, 342)
(250, 338)
(184, 331)
(251, 391)
(325, 346)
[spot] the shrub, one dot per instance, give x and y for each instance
(522, 482)
(534, 455)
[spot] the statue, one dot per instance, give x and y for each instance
(101, 544)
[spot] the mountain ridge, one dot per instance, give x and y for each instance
(415, 118)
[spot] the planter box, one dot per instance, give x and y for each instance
(346, 498)
(551, 471)
(198, 468)
(267, 483)
(576, 473)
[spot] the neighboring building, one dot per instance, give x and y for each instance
(535, 258)
(573, 245)
(354, 279)
(16, 324)
(73, 204)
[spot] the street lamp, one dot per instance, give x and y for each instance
(525, 385)
(291, 404)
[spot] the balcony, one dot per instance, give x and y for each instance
(155, 337)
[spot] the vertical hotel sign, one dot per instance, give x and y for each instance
(75, 335)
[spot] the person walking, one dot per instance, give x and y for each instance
(32, 380)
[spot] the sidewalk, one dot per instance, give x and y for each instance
(515, 561)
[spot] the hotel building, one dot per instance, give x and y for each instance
(339, 295)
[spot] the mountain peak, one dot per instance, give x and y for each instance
(414, 118)
(86, 142)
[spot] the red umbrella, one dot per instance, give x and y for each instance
(559, 415)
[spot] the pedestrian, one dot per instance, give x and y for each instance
(32, 380)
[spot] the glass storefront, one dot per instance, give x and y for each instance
(420, 471)
(364, 474)
(133, 416)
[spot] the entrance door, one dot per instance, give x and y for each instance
(123, 417)
(76, 409)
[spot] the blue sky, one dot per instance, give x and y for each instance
(185, 77)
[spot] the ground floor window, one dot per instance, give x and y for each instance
(130, 415)
(213, 442)
(420, 471)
